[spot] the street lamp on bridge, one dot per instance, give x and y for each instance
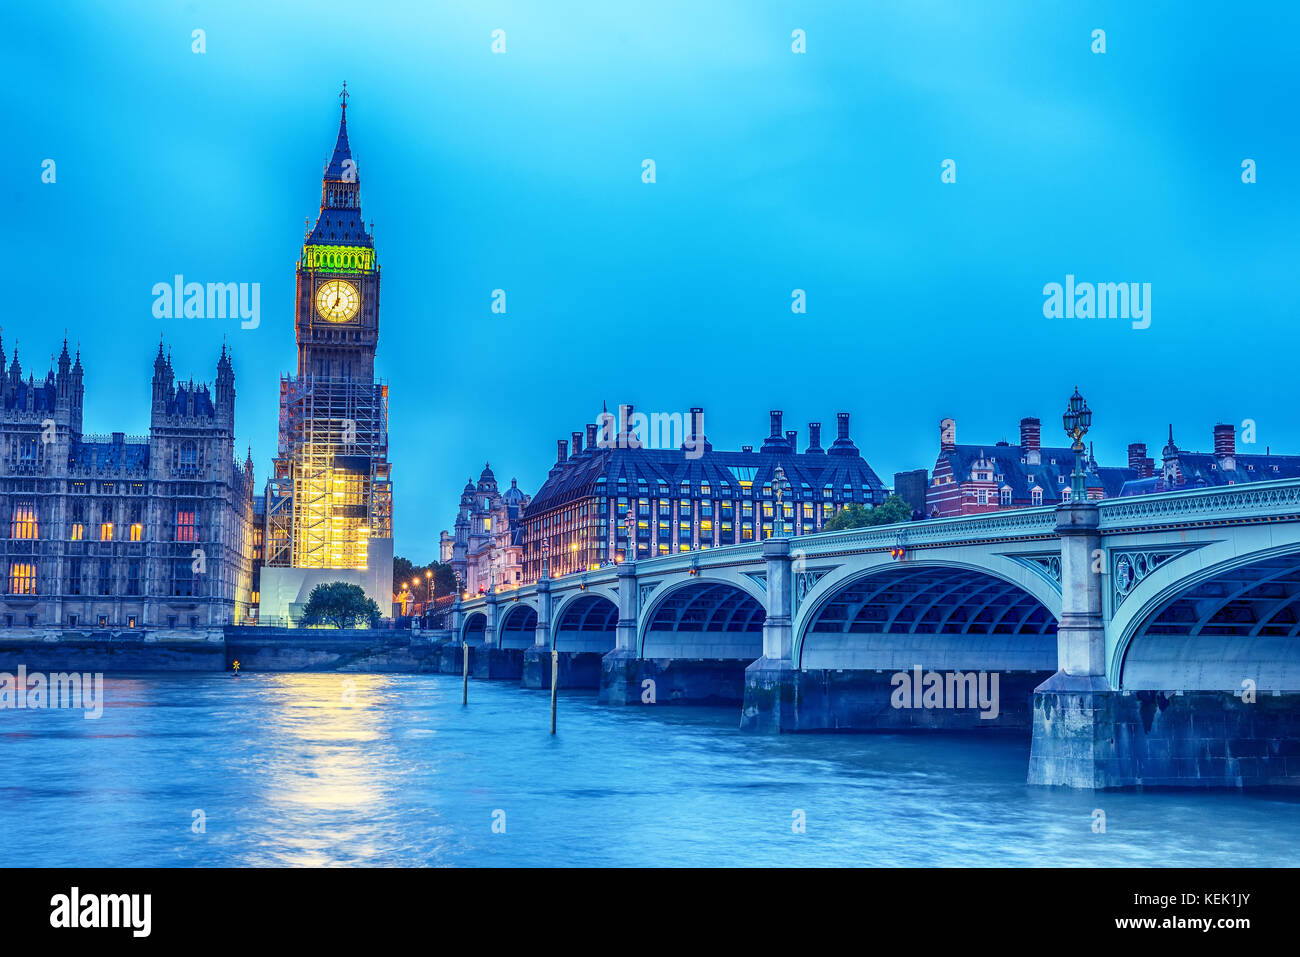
(1077, 419)
(778, 486)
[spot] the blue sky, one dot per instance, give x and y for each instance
(775, 171)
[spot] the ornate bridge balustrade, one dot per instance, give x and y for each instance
(1151, 640)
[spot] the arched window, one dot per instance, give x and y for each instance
(23, 523)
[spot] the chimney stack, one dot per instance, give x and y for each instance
(561, 450)
(1030, 433)
(842, 441)
(792, 436)
(1225, 440)
(624, 423)
(695, 428)
(591, 435)
(815, 437)
(774, 442)
(577, 442)
(1137, 459)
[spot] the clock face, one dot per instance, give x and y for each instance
(337, 300)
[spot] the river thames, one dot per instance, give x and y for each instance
(333, 769)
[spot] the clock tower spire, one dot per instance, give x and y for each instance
(329, 500)
(337, 321)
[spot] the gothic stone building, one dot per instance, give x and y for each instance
(487, 546)
(115, 533)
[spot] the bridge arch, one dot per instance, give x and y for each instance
(474, 629)
(518, 627)
(693, 617)
(586, 621)
(1212, 617)
(941, 615)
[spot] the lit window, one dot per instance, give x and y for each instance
(184, 525)
(78, 531)
(24, 521)
(137, 532)
(22, 578)
(106, 531)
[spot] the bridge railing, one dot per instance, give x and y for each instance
(1011, 523)
(1264, 501)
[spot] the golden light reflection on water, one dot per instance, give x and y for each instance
(326, 730)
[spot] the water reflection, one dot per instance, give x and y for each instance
(327, 769)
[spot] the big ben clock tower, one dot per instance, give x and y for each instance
(329, 500)
(337, 308)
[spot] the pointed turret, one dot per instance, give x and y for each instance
(225, 404)
(162, 380)
(341, 167)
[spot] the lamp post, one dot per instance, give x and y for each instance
(631, 534)
(1077, 419)
(428, 594)
(778, 485)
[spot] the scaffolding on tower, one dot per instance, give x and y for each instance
(330, 492)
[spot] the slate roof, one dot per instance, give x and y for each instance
(108, 456)
(580, 476)
(1204, 470)
(179, 403)
(337, 225)
(43, 395)
(1053, 477)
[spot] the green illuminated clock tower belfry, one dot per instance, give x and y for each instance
(329, 504)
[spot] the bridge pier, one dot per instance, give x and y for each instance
(771, 683)
(449, 654)
(620, 669)
(1073, 721)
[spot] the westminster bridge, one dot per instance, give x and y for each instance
(1151, 640)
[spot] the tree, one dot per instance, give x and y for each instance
(340, 604)
(404, 570)
(891, 511)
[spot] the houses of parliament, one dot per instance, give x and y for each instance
(164, 533)
(123, 532)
